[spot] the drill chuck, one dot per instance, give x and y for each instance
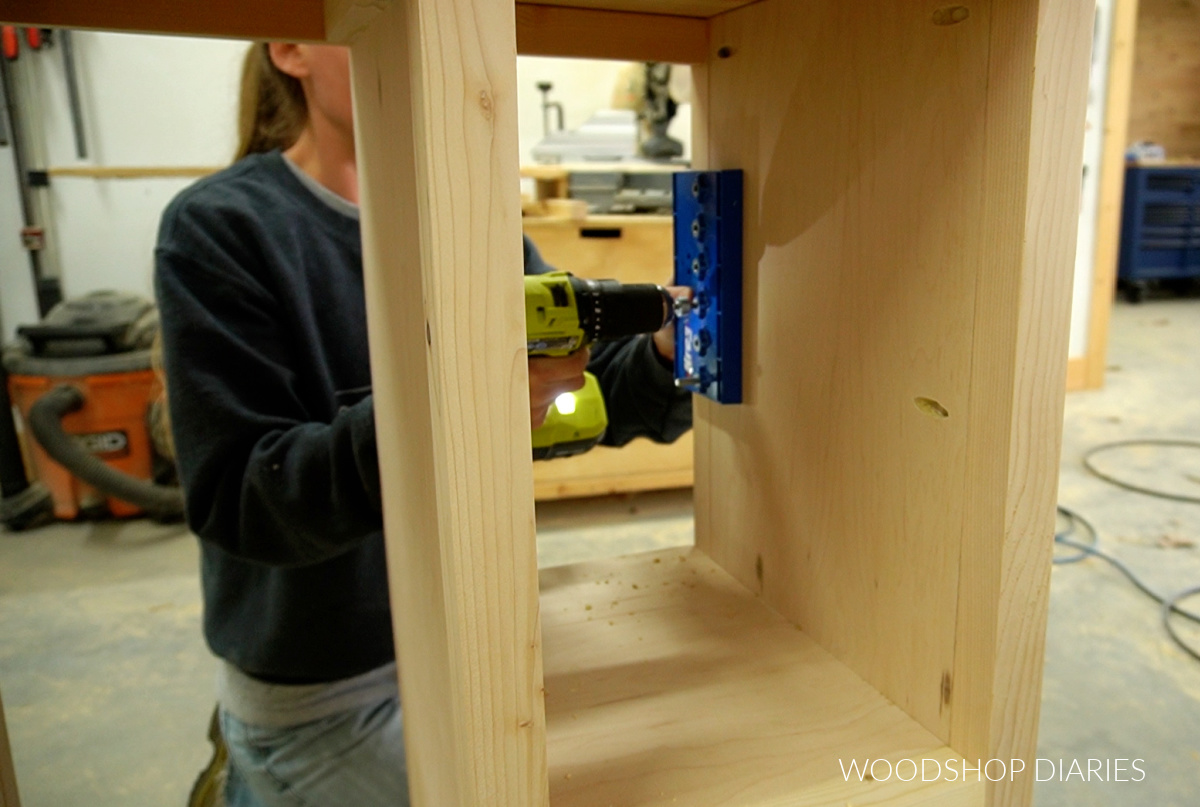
(609, 309)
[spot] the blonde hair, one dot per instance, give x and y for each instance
(271, 109)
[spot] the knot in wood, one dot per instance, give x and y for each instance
(951, 15)
(485, 103)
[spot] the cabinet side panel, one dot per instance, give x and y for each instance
(837, 490)
(435, 106)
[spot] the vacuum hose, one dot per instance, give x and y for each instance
(45, 421)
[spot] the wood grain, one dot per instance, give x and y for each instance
(545, 30)
(860, 293)
(298, 20)
(668, 683)
(346, 19)
(1028, 239)
(911, 241)
(1164, 103)
(435, 99)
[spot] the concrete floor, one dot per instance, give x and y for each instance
(108, 687)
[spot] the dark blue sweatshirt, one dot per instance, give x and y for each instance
(260, 290)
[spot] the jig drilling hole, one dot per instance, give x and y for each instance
(931, 407)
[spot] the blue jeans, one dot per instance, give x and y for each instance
(352, 759)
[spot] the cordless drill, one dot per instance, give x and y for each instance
(564, 313)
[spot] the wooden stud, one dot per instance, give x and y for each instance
(435, 102)
(1112, 189)
(132, 171)
(298, 20)
(593, 34)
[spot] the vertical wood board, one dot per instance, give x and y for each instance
(435, 102)
(1112, 186)
(837, 490)
(1038, 78)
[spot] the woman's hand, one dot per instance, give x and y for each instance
(664, 338)
(550, 377)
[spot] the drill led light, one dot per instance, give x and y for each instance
(565, 403)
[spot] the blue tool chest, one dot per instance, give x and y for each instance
(1160, 225)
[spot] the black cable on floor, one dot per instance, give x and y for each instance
(1161, 494)
(1074, 518)
(1170, 605)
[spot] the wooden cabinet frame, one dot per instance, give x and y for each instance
(873, 524)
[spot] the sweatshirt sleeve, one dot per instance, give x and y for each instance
(264, 478)
(640, 392)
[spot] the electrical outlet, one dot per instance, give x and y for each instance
(708, 258)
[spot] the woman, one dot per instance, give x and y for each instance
(259, 280)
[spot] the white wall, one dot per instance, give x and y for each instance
(147, 101)
(1093, 145)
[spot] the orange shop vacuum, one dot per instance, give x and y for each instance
(87, 402)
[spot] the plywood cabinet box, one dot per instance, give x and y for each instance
(873, 524)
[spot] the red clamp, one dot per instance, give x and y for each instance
(11, 45)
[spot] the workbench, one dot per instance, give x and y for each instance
(873, 524)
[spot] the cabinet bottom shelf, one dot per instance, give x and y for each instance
(668, 683)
